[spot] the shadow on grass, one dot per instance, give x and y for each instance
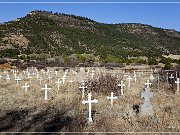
(50, 120)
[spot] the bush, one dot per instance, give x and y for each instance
(167, 66)
(34, 56)
(113, 64)
(44, 56)
(59, 60)
(3, 61)
(105, 84)
(152, 61)
(72, 61)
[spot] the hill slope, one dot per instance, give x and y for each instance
(41, 31)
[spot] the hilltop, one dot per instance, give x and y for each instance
(62, 34)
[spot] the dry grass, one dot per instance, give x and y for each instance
(63, 111)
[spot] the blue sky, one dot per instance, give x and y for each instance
(164, 15)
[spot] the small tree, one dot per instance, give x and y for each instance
(34, 56)
(152, 61)
(167, 66)
(44, 56)
(72, 61)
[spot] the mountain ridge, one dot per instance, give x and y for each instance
(58, 33)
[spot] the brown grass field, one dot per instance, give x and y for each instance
(64, 111)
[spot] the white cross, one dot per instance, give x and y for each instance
(111, 98)
(148, 83)
(92, 74)
(46, 90)
(24, 72)
(171, 77)
(176, 75)
(63, 79)
(28, 74)
(167, 78)
(33, 73)
(151, 77)
(55, 72)
(27, 70)
(135, 77)
(25, 87)
(8, 77)
(158, 81)
(30, 77)
(49, 77)
(40, 79)
(1, 77)
(90, 105)
(58, 83)
(71, 81)
(37, 76)
(121, 85)
(129, 80)
(15, 75)
(17, 80)
(177, 82)
(83, 87)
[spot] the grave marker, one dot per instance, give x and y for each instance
(46, 91)
(8, 77)
(121, 85)
(129, 81)
(148, 84)
(83, 87)
(25, 87)
(17, 80)
(177, 82)
(58, 83)
(63, 79)
(89, 101)
(146, 107)
(112, 98)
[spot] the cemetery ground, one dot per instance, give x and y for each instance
(63, 111)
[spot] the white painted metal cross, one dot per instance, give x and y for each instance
(135, 77)
(171, 77)
(92, 73)
(71, 81)
(46, 91)
(40, 79)
(151, 77)
(25, 87)
(158, 81)
(177, 82)
(15, 75)
(89, 101)
(49, 78)
(121, 85)
(28, 74)
(148, 83)
(30, 77)
(83, 87)
(17, 80)
(63, 79)
(112, 98)
(167, 78)
(58, 83)
(129, 81)
(176, 75)
(8, 77)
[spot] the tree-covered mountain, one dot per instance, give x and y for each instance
(57, 34)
